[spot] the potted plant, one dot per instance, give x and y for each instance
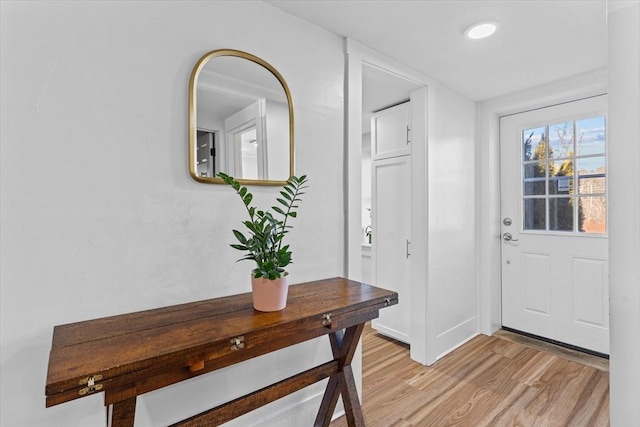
(264, 242)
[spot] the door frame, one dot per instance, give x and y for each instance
(357, 55)
(488, 183)
(561, 315)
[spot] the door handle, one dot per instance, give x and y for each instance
(508, 237)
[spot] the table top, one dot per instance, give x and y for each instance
(127, 345)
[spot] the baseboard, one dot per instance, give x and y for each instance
(300, 413)
(391, 333)
(447, 341)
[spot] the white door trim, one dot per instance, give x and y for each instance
(358, 55)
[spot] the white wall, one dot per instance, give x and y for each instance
(452, 289)
(624, 212)
(99, 214)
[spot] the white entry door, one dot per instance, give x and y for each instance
(554, 223)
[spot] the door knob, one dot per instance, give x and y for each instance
(508, 237)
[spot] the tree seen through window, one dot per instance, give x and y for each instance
(550, 192)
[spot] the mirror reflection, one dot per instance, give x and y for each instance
(241, 120)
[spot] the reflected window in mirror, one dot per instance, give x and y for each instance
(240, 120)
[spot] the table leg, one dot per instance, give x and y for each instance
(343, 345)
(329, 402)
(352, 407)
(123, 413)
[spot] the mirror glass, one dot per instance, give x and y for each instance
(240, 120)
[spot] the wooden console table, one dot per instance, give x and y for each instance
(128, 355)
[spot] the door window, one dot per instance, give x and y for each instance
(564, 177)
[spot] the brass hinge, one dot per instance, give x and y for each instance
(91, 386)
(326, 319)
(237, 343)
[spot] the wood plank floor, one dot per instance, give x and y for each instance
(489, 382)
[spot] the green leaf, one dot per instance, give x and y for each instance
(293, 214)
(284, 259)
(243, 191)
(285, 195)
(239, 247)
(277, 209)
(226, 178)
(241, 238)
(288, 189)
(247, 199)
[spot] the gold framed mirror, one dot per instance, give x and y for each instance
(240, 120)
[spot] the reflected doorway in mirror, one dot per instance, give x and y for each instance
(240, 120)
(206, 153)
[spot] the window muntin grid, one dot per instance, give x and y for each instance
(564, 167)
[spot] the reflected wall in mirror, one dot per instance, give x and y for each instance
(240, 120)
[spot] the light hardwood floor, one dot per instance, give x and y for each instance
(489, 381)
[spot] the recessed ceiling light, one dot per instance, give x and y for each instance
(481, 30)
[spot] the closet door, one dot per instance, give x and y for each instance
(390, 132)
(391, 220)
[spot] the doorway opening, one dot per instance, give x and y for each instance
(386, 192)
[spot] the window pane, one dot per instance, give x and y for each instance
(593, 214)
(561, 177)
(591, 136)
(534, 179)
(534, 144)
(535, 214)
(592, 175)
(561, 140)
(561, 214)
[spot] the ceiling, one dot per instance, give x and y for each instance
(538, 42)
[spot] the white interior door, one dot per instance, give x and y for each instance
(391, 216)
(391, 208)
(554, 216)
